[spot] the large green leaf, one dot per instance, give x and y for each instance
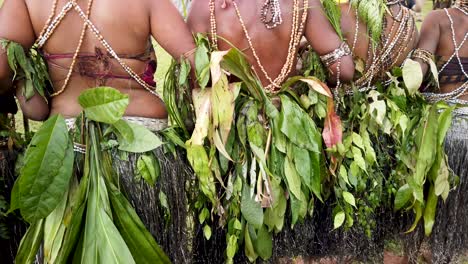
(264, 243)
(297, 125)
(102, 240)
(403, 196)
(104, 104)
(292, 178)
(236, 63)
(426, 140)
(412, 76)
(141, 243)
(143, 139)
(46, 173)
(251, 210)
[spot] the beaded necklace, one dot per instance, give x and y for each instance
(388, 53)
(272, 7)
(296, 35)
(52, 24)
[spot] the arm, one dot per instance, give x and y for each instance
(15, 25)
(323, 39)
(198, 19)
(170, 30)
(429, 37)
(36, 108)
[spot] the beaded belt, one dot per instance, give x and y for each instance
(461, 111)
(153, 124)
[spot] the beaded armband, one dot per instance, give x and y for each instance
(424, 55)
(330, 58)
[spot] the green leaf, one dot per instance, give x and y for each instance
(430, 211)
(231, 247)
(426, 140)
(223, 107)
(46, 173)
(202, 65)
(199, 161)
(102, 242)
(377, 108)
(344, 174)
(139, 240)
(264, 243)
(445, 121)
(251, 210)
(292, 178)
(104, 104)
(144, 140)
(30, 244)
(403, 196)
(419, 213)
(54, 231)
(339, 220)
(358, 159)
(207, 232)
(442, 184)
(412, 76)
(349, 198)
(249, 246)
(274, 215)
(297, 125)
(148, 168)
(298, 208)
(236, 63)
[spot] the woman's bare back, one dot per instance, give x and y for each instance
(127, 26)
(271, 45)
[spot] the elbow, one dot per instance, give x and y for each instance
(347, 71)
(36, 115)
(343, 70)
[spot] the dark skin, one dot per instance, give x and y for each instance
(23, 20)
(436, 37)
(348, 26)
(270, 45)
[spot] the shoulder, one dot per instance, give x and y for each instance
(199, 8)
(435, 16)
(199, 15)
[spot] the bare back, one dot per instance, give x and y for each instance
(271, 45)
(437, 38)
(127, 26)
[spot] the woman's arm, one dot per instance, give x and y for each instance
(170, 30)
(429, 36)
(15, 25)
(324, 39)
(36, 108)
(198, 18)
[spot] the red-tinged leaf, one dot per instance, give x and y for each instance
(333, 130)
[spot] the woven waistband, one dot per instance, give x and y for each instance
(153, 124)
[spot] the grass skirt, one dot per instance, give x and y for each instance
(449, 238)
(15, 228)
(172, 230)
